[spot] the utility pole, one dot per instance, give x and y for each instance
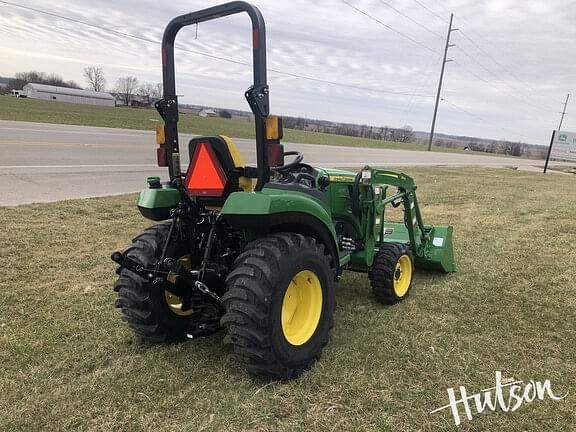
(554, 133)
(563, 112)
(444, 61)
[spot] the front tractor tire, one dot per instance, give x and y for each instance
(149, 309)
(392, 272)
(279, 305)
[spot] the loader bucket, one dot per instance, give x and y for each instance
(437, 254)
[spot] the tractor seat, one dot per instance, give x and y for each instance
(215, 170)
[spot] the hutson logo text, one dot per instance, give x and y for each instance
(508, 396)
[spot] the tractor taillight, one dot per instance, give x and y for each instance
(275, 154)
(162, 157)
(274, 130)
(205, 176)
(161, 154)
(160, 134)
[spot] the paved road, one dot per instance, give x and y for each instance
(44, 162)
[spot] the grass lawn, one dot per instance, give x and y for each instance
(69, 363)
(146, 119)
(563, 169)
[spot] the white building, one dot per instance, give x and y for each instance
(207, 112)
(63, 94)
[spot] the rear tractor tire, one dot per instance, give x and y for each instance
(392, 272)
(150, 310)
(279, 305)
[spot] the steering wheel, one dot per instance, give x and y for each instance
(297, 160)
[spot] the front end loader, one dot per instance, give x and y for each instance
(256, 251)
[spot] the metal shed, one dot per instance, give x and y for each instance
(63, 94)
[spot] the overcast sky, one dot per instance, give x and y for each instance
(514, 61)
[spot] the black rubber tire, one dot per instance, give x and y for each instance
(383, 271)
(142, 303)
(253, 304)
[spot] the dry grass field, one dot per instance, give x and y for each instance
(69, 363)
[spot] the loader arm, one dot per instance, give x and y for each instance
(431, 244)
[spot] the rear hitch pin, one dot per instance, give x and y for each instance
(201, 286)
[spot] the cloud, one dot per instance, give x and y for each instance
(513, 62)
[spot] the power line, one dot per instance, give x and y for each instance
(216, 57)
(514, 89)
(503, 67)
(531, 108)
(412, 19)
(405, 36)
(119, 33)
(430, 49)
(540, 106)
(432, 12)
(474, 74)
(423, 82)
(439, 3)
(352, 86)
(477, 117)
(482, 50)
(491, 57)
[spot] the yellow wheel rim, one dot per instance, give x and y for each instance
(402, 275)
(302, 307)
(173, 301)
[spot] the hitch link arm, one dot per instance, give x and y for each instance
(189, 277)
(135, 267)
(157, 276)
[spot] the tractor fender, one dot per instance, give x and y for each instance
(278, 210)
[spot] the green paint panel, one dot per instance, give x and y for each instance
(159, 198)
(344, 259)
(439, 252)
(435, 254)
(397, 232)
(156, 203)
(271, 201)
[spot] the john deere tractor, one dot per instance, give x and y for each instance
(256, 251)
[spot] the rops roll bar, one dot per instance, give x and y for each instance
(257, 94)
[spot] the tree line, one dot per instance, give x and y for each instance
(404, 134)
(127, 88)
(22, 78)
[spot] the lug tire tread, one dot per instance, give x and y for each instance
(134, 297)
(247, 303)
(382, 273)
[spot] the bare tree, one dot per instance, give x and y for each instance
(150, 91)
(145, 90)
(126, 87)
(385, 133)
(405, 134)
(22, 78)
(158, 91)
(95, 78)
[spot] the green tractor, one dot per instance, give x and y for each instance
(256, 251)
